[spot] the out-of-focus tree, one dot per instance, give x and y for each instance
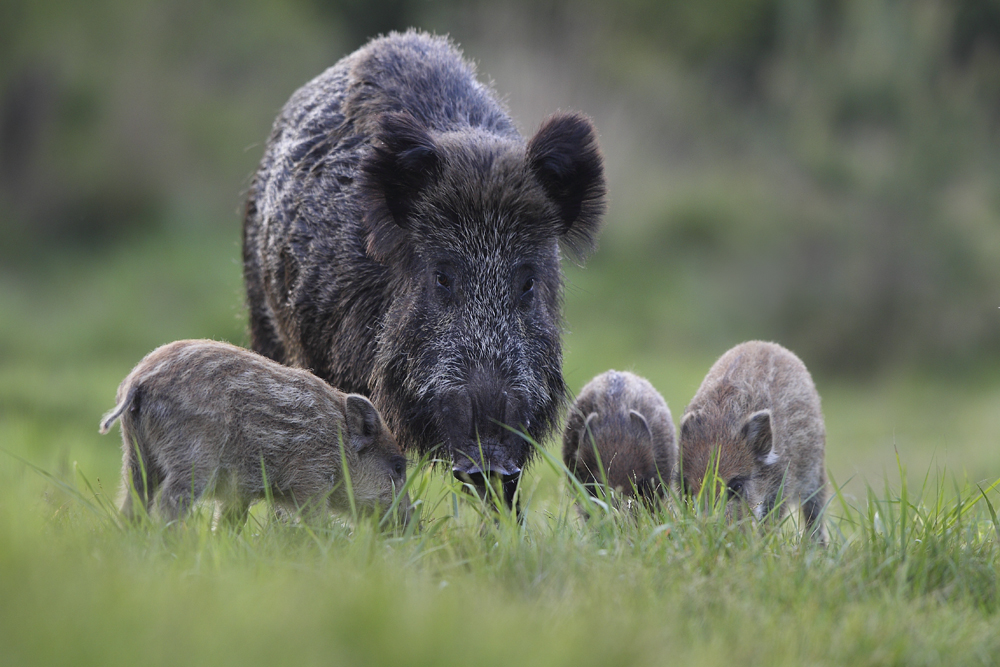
(121, 116)
(821, 172)
(843, 195)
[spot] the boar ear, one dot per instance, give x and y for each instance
(403, 161)
(757, 433)
(565, 158)
(689, 423)
(587, 434)
(586, 443)
(637, 417)
(363, 422)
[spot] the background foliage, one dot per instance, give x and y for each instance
(821, 172)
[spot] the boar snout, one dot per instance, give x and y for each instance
(477, 422)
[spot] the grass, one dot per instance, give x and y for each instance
(910, 577)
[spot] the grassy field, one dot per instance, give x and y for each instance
(911, 576)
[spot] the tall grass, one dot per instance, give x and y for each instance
(910, 577)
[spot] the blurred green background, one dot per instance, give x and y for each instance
(822, 173)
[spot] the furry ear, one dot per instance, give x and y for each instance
(587, 434)
(637, 417)
(567, 161)
(587, 443)
(404, 160)
(363, 422)
(689, 423)
(757, 432)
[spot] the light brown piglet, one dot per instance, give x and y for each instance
(620, 431)
(207, 419)
(758, 413)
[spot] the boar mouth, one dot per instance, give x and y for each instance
(465, 465)
(480, 481)
(501, 475)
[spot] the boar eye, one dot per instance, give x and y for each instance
(443, 280)
(735, 487)
(528, 286)
(399, 467)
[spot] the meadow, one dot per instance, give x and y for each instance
(910, 577)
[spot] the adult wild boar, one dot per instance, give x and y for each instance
(402, 241)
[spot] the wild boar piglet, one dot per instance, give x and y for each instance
(203, 419)
(757, 418)
(620, 431)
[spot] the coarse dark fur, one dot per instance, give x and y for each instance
(620, 431)
(402, 241)
(758, 413)
(202, 418)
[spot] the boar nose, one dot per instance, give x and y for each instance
(474, 419)
(491, 403)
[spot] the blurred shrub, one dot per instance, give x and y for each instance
(838, 189)
(731, 38)
(976, 28)
(822, 172)
(120, 116)
(363, 19)
(901, 153)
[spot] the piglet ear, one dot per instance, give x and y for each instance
(363, 421)
(587, 435)
(404, 160)
(689, 423)
(639, 419)
(566, 160)
(757, 432)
